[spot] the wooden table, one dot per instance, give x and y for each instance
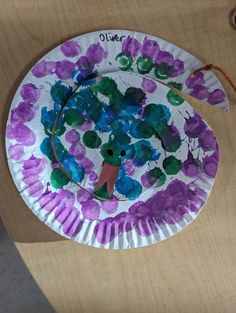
(194, 271)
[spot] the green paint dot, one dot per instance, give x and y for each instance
(144, 65)
(58, 178)
(74, 118)
(171, 165)
(125, 61)
(91, 139)
(163, 71)
(174, 98)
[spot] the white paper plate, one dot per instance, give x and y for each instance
(103, 86)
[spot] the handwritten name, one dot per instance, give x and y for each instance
(110, 37)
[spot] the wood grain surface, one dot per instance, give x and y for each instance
(193, 272)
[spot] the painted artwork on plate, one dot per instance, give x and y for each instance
(102, 151)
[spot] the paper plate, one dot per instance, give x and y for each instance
(105, 154)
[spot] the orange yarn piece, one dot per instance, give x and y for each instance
(210, 67)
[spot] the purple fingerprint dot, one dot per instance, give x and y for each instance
(207, 140)
(217, 96)
(109, 206)
(21, 133)
(129, 167)
(83, 195)
(72, 136)
(148, 85)
(70, 48)
(91, 210)
(165, 57)
(86, 126)
(93, 177)
(210, 165)
(64, 69)
(30, 92)
(199, 92)
(43, 68)
(130, 46)
(24, 112)
(16, 152)
(87, 165)
(77, 150)
(149, 48)
(195, 80)
(95, 53)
